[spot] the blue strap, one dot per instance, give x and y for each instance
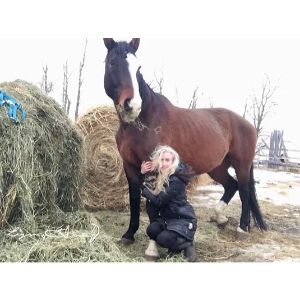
(13, 107)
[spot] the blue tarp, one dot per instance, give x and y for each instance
(12, 107)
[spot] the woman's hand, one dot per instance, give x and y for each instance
(146, 167)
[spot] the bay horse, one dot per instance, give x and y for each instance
(209, 140)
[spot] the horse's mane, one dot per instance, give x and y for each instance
(147, 90)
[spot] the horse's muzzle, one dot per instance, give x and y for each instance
(127, 106)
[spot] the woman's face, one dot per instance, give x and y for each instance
(166, 161)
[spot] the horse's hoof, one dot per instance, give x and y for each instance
(220, 223)
(151, 258)
(125, 242)
(241, 234)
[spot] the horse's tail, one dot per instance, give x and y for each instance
(254, 207)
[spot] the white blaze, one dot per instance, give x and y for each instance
(136, 102)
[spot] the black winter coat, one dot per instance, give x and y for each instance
(176, 212)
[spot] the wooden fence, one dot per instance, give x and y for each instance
(272, 153)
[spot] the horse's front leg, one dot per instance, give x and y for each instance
(134, 185)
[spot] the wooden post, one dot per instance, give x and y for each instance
(271, 151)
(277, 151)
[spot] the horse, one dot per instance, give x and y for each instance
(209, 140)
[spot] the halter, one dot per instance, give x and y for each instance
(141, 126)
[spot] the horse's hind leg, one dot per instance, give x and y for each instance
(221, 175)
(243, 175)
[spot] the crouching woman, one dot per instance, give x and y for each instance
(173, 220)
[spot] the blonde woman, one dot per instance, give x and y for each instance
(175, 222)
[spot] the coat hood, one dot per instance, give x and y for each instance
(185, 172)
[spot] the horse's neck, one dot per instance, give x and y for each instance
(156, 104)
(155, 107)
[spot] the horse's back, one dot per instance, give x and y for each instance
(204, 137)
(229, 122)
(241, 133)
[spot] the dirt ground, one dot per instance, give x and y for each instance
(280, 204)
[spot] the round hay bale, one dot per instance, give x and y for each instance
(105, 184)
(200, 180)
(39, 158)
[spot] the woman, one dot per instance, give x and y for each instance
(173, 220)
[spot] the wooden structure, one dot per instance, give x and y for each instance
(277, 149)
(274, 154)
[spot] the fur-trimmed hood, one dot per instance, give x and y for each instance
(185, 172)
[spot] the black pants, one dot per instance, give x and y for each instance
(166, 238)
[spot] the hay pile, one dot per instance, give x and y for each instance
(105, 185)
(200, 180)
(72, 237)
(39, 159)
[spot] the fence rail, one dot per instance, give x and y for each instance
(272, 152)
(264, 160)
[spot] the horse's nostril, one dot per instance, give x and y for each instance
(127, 107)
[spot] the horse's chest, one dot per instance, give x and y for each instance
(136, 146)
(129, 150)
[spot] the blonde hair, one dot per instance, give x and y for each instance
(163, 176)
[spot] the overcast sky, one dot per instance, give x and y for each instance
(227, 71)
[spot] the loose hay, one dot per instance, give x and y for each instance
(39, 159)
(75, 237)
(200, 180)
(214, 244)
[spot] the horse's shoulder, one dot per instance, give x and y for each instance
(124, 135)
(131, 151)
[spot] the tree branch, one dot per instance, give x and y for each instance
(80, 81)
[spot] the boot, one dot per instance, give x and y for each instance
(151, 253)
(181, 243)
(190, 253)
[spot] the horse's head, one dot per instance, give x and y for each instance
(120, 79)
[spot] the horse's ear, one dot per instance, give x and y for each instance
(109, 43)
(135, 42)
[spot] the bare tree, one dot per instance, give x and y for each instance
(261, 105)
(160, 82)
(245, 110)
(46, 86)
(195, 98)
(66, 102)
(177, 94)
(81, 65)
